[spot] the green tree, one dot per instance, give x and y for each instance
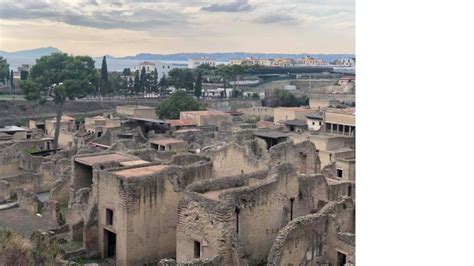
(230, 73)
(136, 83)
(154, 81)
(4, 70)
(198, 85)
(163, 85)
(60, 77)
(126, 72)
(143, 80)
(104, 77)
(286, 99)
(177, 102)
(181, 78)
(23, 75)
(12, 84)
(114, 82)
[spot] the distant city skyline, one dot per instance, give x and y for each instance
(129, 27)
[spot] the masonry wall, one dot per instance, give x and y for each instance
(27, 181)
(10, 162)
(348, 169)
(283, 114)
(264, 207)
(315, 239)
(329, 157)
(302, 155)
(328, 143)
(201, 220)
(149, 205)
(261, 112)
(233, 159)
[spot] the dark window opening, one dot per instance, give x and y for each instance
(349, 191)
(292, 200)
(328, 126)
(237, 211)
(346, 129)
(339, 173)
(197, 249)
(109, 217)
(99, 134)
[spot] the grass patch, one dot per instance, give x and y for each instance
(71, 245)
(82, 260)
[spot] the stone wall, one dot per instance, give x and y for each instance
(317, 238)
(144, 210)
(28, 201)
(27, 181)
(302, 155)
(233, 159)
(259, 207)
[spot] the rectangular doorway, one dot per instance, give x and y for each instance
(341, 259)
(110, 243)
(197, 249)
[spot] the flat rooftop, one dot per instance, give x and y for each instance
(166, 141)
(104, 158)
(181, 122)
(188, 130)
(271, 134)
(151, 120)
(141, 171)
(204, 113)
(134, 163)
(347, 111)
(296, 122)
(295, 109)
(136, 106)
(12, 129)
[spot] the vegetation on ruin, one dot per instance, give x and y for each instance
(16, 249)
(177, 102)
(60, 77)
(4, 70)
(286, 99)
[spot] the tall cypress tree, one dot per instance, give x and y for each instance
(143, 80)
(198, 86)
(163, 84)
(136, 83)
(104, 77)
(11, 79)
(155, 81)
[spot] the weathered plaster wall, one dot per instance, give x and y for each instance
(316, 238)
(302, 155)
(233, 159)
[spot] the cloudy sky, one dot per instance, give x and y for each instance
(127, 27)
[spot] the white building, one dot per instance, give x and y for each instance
(290, 87)
(346, 62)
(162, 68)
(217, 93)
(314, 122)
(194, 63)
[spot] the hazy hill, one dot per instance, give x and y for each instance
(34, 53)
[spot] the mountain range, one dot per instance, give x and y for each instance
(36, 53)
